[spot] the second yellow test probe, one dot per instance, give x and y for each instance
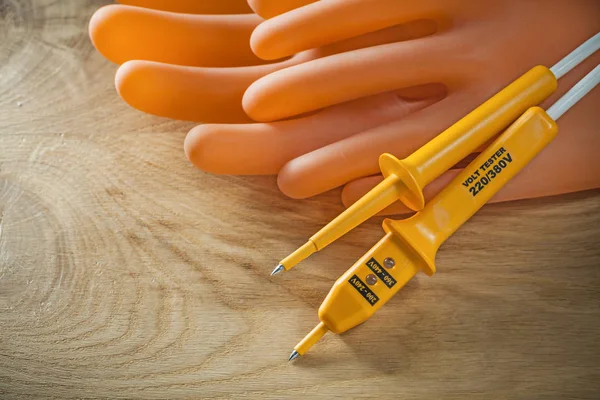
(411, 245)
(405, 179)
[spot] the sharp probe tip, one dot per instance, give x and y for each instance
(278, 269)
(294, 355)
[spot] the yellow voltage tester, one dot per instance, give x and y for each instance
(405, 179)
(410, 245)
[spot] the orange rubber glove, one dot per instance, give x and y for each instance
(197, 67)
(181, 78)
(479, 48)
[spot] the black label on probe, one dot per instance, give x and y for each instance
(381, 273)
(364, 291)
(488, 171)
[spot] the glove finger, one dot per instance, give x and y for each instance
(271, 8)
(194, 6)
(263, 148)
(331, 80)
(188, 93)
(122, 33)
(325, 22)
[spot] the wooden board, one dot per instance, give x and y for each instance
(125, 272)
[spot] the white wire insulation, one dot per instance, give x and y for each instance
(571, 98)
(575, 58)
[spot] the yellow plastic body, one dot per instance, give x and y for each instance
(405, 179)
(413, 243)
(352, 300)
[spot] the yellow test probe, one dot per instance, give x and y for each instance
(405, 179)
(411, 245)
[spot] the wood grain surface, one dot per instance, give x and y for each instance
(127, 273)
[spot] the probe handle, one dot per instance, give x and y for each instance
(483, 123)
(480, 180)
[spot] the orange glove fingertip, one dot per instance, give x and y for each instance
(99, 30)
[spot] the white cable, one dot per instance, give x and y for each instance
(570, 98)
(575, 58)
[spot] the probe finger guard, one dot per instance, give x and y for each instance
(412, 197)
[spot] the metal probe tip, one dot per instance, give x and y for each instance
(278, 269)
(294, 355)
